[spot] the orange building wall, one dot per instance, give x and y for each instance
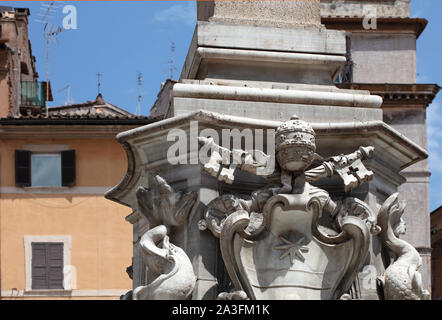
(101, 238)
(100, 162)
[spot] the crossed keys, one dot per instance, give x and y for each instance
(351, 169)
(292, 249)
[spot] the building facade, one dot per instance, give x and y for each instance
(381, 57)
(20, 91)
(436, 255)
(59, 237)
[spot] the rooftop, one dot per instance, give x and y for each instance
(96, 111)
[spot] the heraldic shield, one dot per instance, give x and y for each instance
(289, 256)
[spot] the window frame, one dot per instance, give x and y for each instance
(61, 169)
(67, 243)
(47, 266)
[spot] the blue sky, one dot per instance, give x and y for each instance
(119, 39)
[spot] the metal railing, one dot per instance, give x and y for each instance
(32, 94)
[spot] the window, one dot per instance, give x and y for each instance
(43, 262)
(34, 169)
(47, 265)
(46, 170)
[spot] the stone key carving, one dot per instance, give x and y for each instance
(169, 266)
(402, 279)
(250, 160)
(351, 169)
(291, 157)
(273, 246)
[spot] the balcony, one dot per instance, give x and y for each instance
(33, 94)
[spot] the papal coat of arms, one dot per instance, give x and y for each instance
(273, 244)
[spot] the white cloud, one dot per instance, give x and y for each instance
(183, 13)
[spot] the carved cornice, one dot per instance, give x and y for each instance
(41, 131)
(398, 95)
(390, 25)
(402, 152)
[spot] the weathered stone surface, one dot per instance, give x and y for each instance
(261, 12)
(379, 58)
(276, 111)
(148, 149)
(393, 8)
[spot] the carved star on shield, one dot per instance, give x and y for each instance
(292, 249)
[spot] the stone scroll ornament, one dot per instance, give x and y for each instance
(273, 245)
(168, 265)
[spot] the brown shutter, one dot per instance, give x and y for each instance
(39, 274)
(68, 168)
(47, 266)
(23, 168)
(55, 265)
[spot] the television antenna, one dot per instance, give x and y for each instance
(48, 8)
(69, 101)
(140, 83)
(171, 60)
(50, 34)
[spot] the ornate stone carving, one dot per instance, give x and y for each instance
(273, 245)
(289, 257)
(355, 207)
(168, 265)
(402, 279)
(217, 212)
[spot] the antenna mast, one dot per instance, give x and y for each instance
(50, 34)
(140, 83)
(68, 100)
(171, 61)
(99, 82)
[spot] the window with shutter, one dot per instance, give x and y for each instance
(47, 266)
(45, 169)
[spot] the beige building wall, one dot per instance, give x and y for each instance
(101, 241)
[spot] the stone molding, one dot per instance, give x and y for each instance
(400, 96)
(276, 95)
(384, 25)
(39, 130)
(57, 190)
(63, 293)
